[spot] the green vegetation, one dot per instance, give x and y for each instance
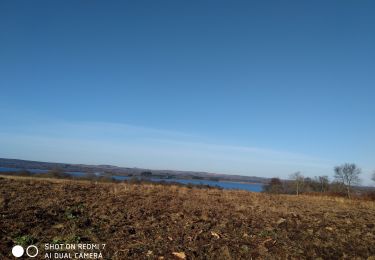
(24, 240)
(74, 212)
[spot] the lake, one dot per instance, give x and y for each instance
(255, 187)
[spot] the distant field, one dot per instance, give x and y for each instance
(169, 222)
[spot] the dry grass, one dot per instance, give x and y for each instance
(153, 221)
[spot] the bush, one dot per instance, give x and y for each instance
(274, 186)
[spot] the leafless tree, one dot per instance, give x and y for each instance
(323, 183)
(373, 176)
(348, 175)
(298, 179)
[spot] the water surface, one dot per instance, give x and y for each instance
(255, 187)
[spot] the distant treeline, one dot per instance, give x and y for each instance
(144, 179)
(126, 171)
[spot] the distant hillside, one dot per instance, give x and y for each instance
(124, 171)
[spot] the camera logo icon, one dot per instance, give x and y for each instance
(31, 251)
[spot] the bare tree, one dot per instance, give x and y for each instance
(298, 179)
(348, 175)
(323, 183)
(373, 176)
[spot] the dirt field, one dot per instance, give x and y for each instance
(169, 222)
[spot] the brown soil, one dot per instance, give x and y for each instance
(170, 222)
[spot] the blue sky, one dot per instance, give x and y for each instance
(261, 88)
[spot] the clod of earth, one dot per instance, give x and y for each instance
(179, 255)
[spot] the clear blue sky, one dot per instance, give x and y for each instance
(261, 88)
